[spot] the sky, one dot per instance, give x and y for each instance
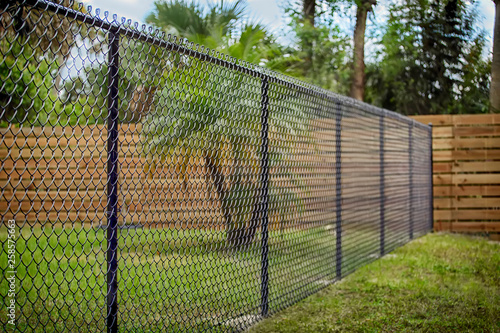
(268, 12)
(265, 11)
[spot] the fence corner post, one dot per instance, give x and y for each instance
(338, 189)
(112, 184)
(410, 171)
(382, 186)
(264, 199)
(431, 177)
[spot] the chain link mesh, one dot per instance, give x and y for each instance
(160, 186)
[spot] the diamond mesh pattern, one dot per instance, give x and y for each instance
(159, 186)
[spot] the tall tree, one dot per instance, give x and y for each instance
(321, 49)
(309, 11)
(432, 60)
(330, 66)
(495, 66)
(358, 68)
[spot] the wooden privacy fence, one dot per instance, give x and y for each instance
(466, 151)
(59, 175)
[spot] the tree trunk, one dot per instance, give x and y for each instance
(495, 65)
(254, 220)
(234, 233)
(61, 60)
(141, 103)
(358, 67)
(309, 12)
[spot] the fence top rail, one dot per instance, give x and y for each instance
(184, 47)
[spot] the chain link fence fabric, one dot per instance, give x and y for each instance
(159, 186)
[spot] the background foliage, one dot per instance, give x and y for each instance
(429, 58)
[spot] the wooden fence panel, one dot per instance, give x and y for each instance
(57, 175)
(466, 151)
(63, 170)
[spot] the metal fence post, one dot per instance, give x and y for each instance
(431, 176)
(382, 187)
(338, 188)
(264, 198)
(112, 236)
(410, 171)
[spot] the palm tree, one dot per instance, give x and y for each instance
(191, 21)
(200, 112)
(212, 28)
(210, 117)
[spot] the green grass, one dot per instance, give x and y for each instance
(187, 280)
(168, 279)
(437, 283)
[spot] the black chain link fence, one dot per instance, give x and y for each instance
(160, 186)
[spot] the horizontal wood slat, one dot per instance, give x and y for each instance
(466, 143)
(467, 214)
(466, 155)
(461, 202)
(468, 226)
(466, 179)
(468, 190)
(465, 166)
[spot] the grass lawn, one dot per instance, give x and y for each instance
(168, 280)
(437, 283)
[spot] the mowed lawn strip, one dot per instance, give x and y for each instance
(437, 283)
